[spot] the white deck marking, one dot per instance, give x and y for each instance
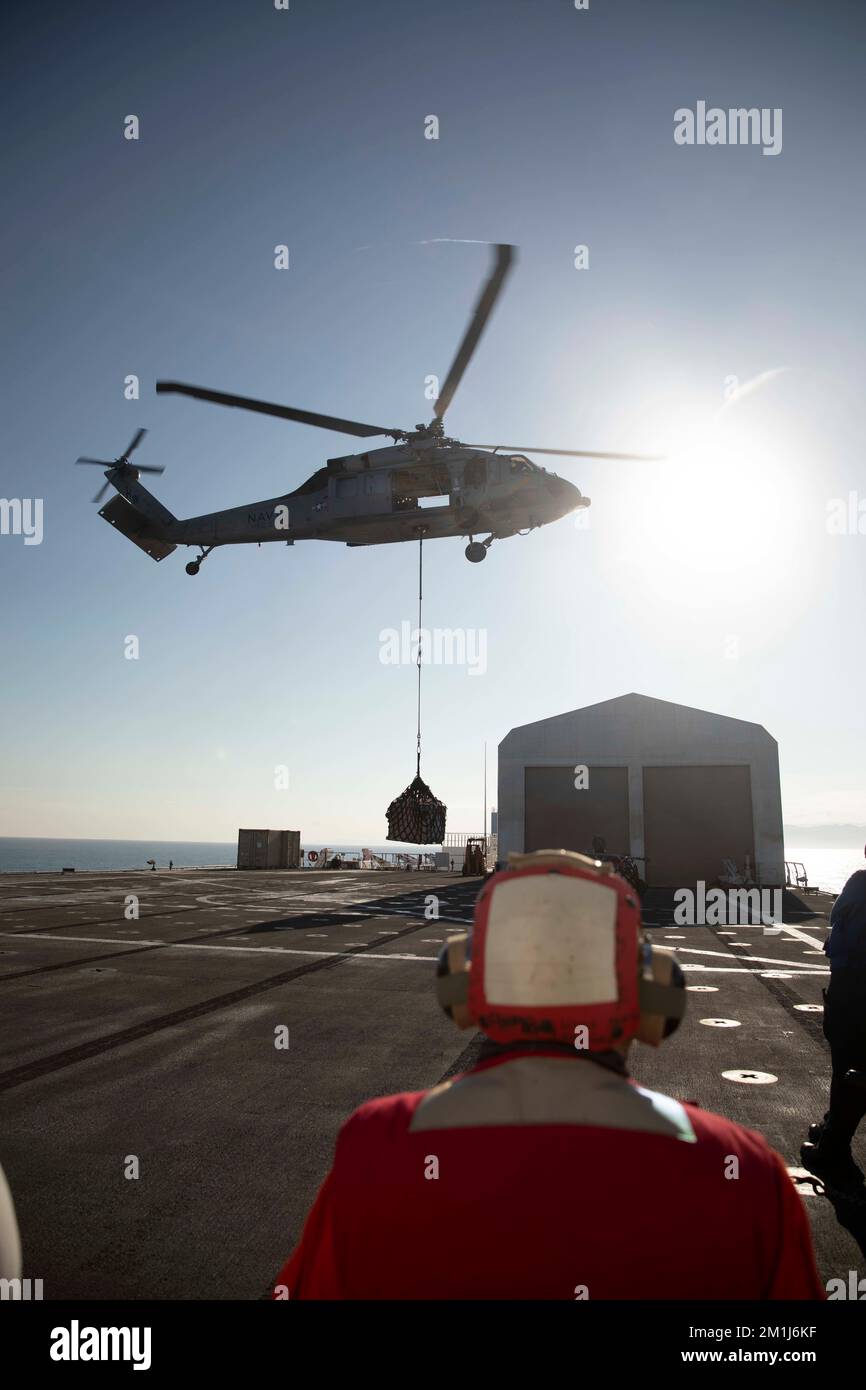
(297, 905)
(801, 970)
(806, 1183)
(237, 950)
(744, 970)
(796, 934)
(751, 1078)
(100, 940)
(766, 960)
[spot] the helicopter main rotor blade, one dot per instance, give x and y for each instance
(568, 453)
(101, 463)
(481, 313)
(283, 412)
(101, 493)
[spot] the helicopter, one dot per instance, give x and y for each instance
(371, 498)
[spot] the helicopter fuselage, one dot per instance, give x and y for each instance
(430, 489)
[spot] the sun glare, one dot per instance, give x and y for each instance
(714, 521)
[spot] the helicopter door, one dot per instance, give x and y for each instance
(468, 478)
(377, 493)
(346, 492)
(475, 473)
(360, 495)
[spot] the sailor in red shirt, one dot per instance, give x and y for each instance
(545, 1171)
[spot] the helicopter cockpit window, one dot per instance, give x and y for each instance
(520, 464)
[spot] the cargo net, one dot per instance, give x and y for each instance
(416, 817)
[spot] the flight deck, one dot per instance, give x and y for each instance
(180, 1049)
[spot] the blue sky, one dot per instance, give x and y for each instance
(710, 579)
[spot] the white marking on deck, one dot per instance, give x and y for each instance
(796, 934)
(229, 950)
(766, 960)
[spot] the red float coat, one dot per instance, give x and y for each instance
(541, 1174)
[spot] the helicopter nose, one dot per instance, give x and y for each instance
(567, 496)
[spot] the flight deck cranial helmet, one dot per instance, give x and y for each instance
(555, 955)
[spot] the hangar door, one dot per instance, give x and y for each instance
(694, 817)
(558, 816)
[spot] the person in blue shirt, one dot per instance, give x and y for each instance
(827, 1153)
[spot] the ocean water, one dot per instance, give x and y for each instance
(17, 855)
(828, 868)
(37, 855)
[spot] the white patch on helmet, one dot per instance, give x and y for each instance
(551, 940)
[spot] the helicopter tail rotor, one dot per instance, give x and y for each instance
(122, 462)
(133, 511)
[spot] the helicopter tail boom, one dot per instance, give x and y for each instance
(145, 528)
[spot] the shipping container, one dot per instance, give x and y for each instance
(269, 849)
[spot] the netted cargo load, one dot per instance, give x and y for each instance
(415, 817)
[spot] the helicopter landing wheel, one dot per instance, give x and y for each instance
(195, 565)
(475, 552)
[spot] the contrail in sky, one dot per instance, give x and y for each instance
(748, 387)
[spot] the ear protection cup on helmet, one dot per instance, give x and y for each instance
(661, 988)
(661, 994)
(452, 979)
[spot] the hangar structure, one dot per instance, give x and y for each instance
(679, 788)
